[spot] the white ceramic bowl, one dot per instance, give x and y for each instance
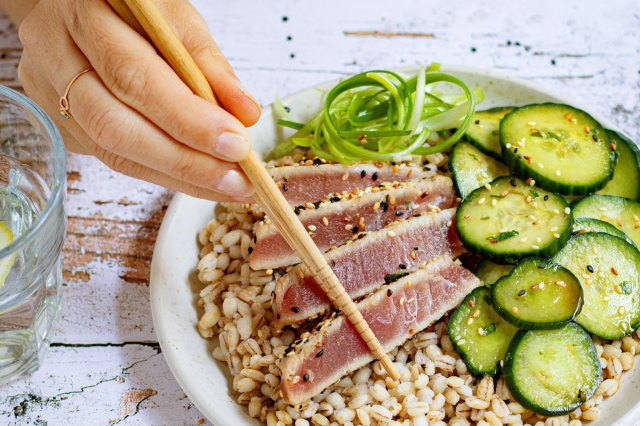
(174, 285)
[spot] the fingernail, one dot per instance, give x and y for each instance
(248, 95)
(231, 146)
(235, 184)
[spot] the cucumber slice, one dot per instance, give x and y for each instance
(607, 268)
(479, 334)
(562, 148)
(513, 220)
(471, 169)
(490, 272)
(587, 224)
(537, 295)
(484, 130)
(552, 372)
(626, 174)
(622, 213)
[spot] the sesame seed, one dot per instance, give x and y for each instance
(532, 183)
(636, 218)
(348, 227)
(401, 301)
(561, 283)
(482, 200)
(312, 227)
(556, 235)
(556, 211)
(345, 176)
(621, 311)
(476, 313)
(594, 249)
(391, 234)
(461, 342)
(531, 123)
(325, 221)
(487, 186)
(514, 309)
(508, 146)
(587, 129)
(481, 331)
(494, 202)
(606, 298)
(558, 173)
(504, 193)
(555, 228)
(535, 247)
(521, 142)
(309, 205)
(618, 289)
(541, 165)
(376, 206)
(567, 210)
(470, 321)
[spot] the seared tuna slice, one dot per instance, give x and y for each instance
(301, 184)
(336, 220)
(363, 265)
(395, 313)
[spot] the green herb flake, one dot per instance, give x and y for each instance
(485, 218)
(626, 287)
(491, 328)
(389, 278)
(503, 236)
(534, 193)
(554, 136)
(536, 134)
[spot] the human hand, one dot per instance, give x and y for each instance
(133, 112)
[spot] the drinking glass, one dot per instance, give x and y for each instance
(32, 229)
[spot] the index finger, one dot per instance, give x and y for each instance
(141, 79)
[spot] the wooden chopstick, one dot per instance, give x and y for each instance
(144, 16)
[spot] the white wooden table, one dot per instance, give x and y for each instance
(105, 366)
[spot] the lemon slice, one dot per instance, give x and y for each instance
(6, 238)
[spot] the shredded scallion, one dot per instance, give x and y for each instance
(383, 116)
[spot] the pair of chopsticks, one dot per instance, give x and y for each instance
(145, 17)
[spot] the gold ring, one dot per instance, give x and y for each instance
(64, 100)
